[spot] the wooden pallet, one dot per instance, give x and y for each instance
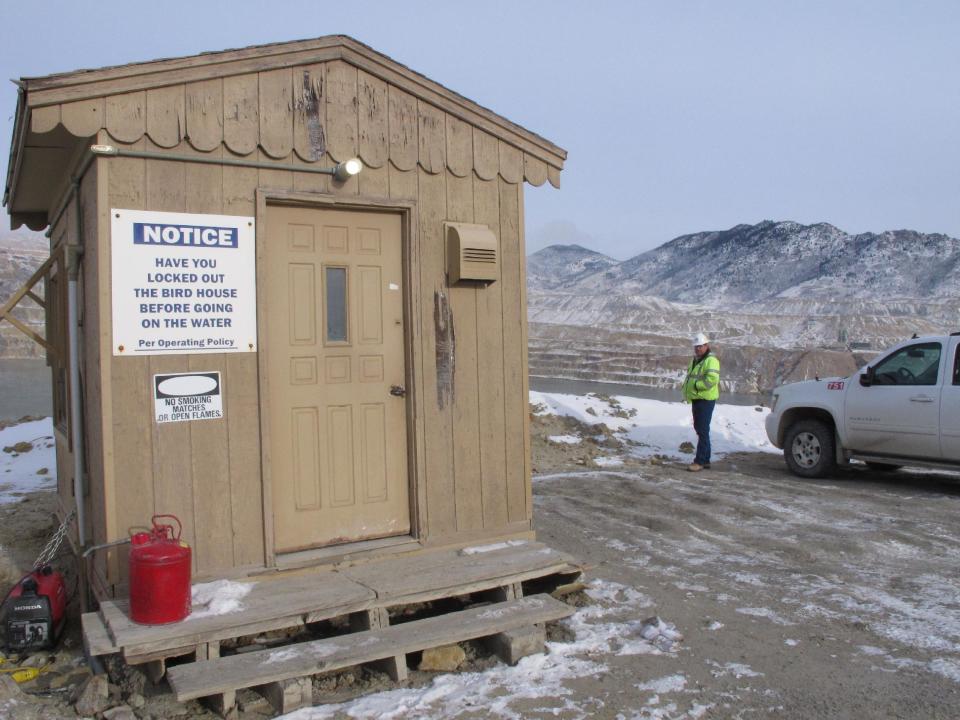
(362, 594)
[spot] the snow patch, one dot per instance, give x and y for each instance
(218, 598)
(30, 470)
(479, 549)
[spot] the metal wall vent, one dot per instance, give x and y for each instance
(472, 253)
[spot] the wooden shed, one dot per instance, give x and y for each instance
(300, 363)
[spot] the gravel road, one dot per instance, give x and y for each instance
(797, 599)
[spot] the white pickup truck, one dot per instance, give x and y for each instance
(902, 409)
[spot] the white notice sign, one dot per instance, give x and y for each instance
(183, 283)
(178, 397)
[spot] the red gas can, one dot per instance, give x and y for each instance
(159, 574)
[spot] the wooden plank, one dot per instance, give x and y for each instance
(524, 364)
(276, 112)
(402, 120)
(96, 637)
(242, 409)
(341, 110)
(128, 434)
(439, 373)
(271, 604)
(431, 133)
(203, 114)
(516, 403)
(465, 420)
(446, 572)
(288, 695)
(210, 456)
(174, 491)
(309, 114)
(126, 117)
(374, 144)
(309, 658)
(241, 127)
(165, 115)
(490, 377)
(374, 182)
(242, 405)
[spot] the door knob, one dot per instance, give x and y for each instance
(398, 391)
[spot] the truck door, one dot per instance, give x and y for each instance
(950, 404)
(899, 412)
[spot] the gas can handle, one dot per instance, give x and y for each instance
(157, 526)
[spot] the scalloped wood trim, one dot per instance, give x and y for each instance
(341, 110)
(240, 108)
(330, 109)
(126, 116)
(276, 112)
(553, 175)
(309, 112)
(402, 118)
(486, 155)
(166, 121)
(433, 143)
(44, 119)
(204, 114)
(534, 170)
(459, 146)
(511, 163)
(373, 120)
(83, 118)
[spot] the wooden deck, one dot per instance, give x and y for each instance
(362, 594)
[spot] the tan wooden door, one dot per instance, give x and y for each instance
(334, 323)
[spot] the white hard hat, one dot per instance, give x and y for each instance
(700, 339)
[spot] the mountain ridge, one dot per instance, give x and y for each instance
(798, 261)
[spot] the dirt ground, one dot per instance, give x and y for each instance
(796, 599)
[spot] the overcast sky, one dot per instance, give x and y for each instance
(678, 115)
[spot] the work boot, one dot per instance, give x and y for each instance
(694, 467)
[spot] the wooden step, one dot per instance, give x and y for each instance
(225, 675)
(271, 605)
(438, 574)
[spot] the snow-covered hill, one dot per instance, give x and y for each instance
(560, 265)
(774, 260)
(768, 294)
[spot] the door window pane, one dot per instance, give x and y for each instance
(335, 282)
(912, 365)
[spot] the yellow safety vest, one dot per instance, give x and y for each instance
(703, 379)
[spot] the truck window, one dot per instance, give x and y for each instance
(912, 365)
(956, 366)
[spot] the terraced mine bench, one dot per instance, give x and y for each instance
(363, 594)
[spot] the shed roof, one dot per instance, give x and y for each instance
(251, 99)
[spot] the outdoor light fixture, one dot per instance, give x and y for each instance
(345, 170)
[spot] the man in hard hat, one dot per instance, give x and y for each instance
(701, 389)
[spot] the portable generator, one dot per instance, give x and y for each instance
(35, 611)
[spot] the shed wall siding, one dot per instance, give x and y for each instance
(474, 479)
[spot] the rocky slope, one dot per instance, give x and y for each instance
(21, 253)
(782, 301)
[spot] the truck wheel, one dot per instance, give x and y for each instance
(809, 449)
(883, 467)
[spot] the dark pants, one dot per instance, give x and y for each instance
(702, 414)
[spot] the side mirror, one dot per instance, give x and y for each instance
(866, 377)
